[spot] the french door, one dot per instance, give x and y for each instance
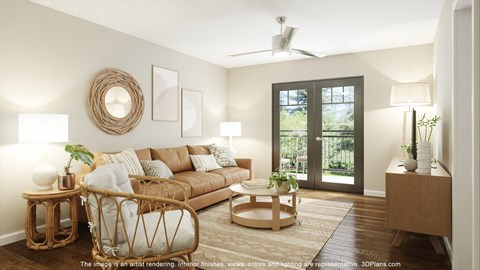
(318, 133)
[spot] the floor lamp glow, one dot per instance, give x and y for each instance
(231, 129)
(43, 128)
(410, 94)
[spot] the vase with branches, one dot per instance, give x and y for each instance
(425, 127)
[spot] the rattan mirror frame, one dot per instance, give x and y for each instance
(110, 124)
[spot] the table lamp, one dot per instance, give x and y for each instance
(231, 129)
(43, 128)
(410, 94)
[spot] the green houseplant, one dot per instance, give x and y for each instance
(283, 181)
(77, 152)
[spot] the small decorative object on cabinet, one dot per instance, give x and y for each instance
(409, 164)
(54, 235)
(420, 203)
(77, 152)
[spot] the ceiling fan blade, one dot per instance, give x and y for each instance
(316, 55)
(288, 35)
(240, 54)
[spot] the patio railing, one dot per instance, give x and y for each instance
(337, 151)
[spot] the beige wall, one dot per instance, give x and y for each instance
(456, 77)
(250, 101)
(443, 70)
(47, 62)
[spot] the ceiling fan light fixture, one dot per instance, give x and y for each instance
(277, 49)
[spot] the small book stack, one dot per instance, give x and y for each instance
(255, 183)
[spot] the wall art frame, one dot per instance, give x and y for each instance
(165, 96)
(192, 113)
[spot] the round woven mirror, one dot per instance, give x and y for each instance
(115, 101)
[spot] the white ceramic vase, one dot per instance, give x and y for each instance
(410, 164)
(424, 158)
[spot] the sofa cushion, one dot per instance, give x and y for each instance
(198, 150)
(204, 163)
(233, 174)
(156, 168)
(144, 154)
(128, 158)
(222, 155)
(177, 158)
(201, 182)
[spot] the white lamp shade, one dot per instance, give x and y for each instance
(408, 94)
(42, 128)
(230, 129)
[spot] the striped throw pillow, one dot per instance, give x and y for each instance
(156, 168)
(128, 158)
(222, 155)
(204, 163)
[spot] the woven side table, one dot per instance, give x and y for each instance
(54, 236)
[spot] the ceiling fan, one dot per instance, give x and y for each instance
(282, 44)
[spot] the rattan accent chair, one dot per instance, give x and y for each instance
(135, 229)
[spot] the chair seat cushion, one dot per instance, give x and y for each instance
(153, 237)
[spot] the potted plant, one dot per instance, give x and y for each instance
(283, 181)
(77, 152)
(407, 148)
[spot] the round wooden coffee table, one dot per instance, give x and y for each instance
(262, 214)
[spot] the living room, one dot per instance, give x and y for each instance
(48, 60)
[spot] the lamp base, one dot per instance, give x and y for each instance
(44, 176)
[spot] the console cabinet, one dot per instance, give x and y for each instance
(420, 203)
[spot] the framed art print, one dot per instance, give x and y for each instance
(164, 94)
(192, 113)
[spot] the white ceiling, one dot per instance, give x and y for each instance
(213, 29)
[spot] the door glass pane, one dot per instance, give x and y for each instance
(292, 97)
(337, 94)
(326, 95)
(283, 97)
(293, 133)
(348, 94)
(338, 140)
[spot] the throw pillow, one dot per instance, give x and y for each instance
(222, 155)
(128, 158)
(204, 163)
(156, 168)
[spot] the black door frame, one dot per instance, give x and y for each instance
(314, 88)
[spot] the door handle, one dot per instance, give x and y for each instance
(318, 139)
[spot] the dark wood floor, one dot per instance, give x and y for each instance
(361, 238)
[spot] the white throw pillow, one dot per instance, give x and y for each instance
(204, 163)
(156, 168)
(222, 155)
(128, 158)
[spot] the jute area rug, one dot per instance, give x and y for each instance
(225, 245)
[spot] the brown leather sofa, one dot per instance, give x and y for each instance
(203, 188)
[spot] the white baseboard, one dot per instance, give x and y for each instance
(448, 246)
(9, 238)
(374, 193)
